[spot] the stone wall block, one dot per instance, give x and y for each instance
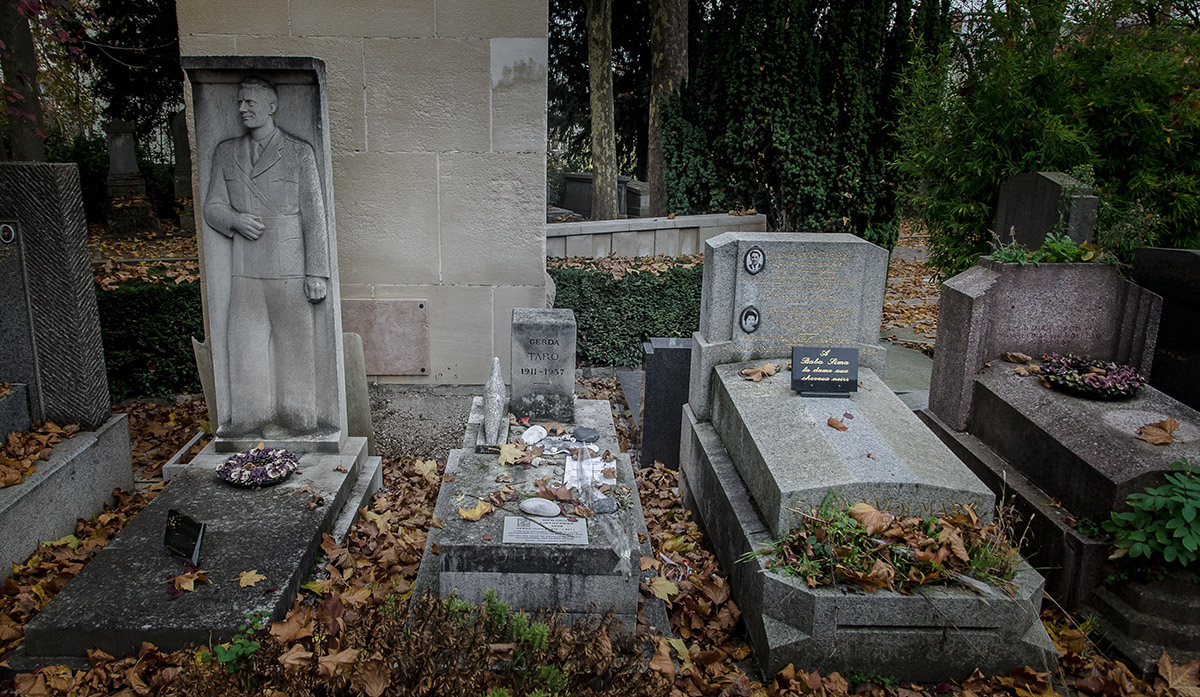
(500, 18)
(388, 230)
(344, 80)
(387, 18)
(518, 95)
(493, 218)
(428, 95)
(266, 17)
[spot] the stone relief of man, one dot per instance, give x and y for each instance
(265, 195)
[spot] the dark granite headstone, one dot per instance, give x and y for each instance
(1175, 275)
(1032, 204)
(667, 363)
(47, 296)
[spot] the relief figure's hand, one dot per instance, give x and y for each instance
(249, 226)
(314, 288)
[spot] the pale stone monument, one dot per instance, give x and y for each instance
(269, 252)
(437, 130)
(755, 453)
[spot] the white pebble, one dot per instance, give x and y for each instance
(535, 505)
(533, 434)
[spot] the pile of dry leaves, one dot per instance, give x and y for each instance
(35, 582)
(158, 430)
(22, 451)
(875, 549)
(162, 258)
(620, 267)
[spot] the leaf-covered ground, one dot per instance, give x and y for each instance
(347, 633)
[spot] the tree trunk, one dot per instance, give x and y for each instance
(19, 63)
(668, 69)
(604, 140)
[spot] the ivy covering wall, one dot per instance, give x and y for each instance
(791, 110)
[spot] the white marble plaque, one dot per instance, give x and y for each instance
(518, 530)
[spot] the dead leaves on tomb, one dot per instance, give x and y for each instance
(23, 450)
(765, 370)
(1159, 433)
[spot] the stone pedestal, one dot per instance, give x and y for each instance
(129, 211)
(667, 362)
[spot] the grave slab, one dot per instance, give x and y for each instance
(1072, 563)
(935, 633)
(789, 457)
(1082, 451)
(473, 556)
(119, 600)
(543, 363)
(993, 308)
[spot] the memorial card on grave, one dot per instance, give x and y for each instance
(824, 372)
(184, 535)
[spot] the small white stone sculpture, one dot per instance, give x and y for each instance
(494, 405)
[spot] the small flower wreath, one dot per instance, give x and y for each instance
(258, 467)
(1090, 378)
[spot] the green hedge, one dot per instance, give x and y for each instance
(147, 330)
(614, 317)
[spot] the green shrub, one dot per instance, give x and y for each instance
(1164, 523)
(1059, 86)
(147, 331)
(614, 317)
(90, 154)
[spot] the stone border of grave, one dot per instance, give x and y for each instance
(645, 237)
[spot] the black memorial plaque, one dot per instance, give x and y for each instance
(824, 372)
(184, 535)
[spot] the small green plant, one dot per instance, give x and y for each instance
(887, 682)
(554, 678)
(234, 656)
(1090, 528)
(1163, 523)
(495, 612)
(497, 692)
(1057, 248)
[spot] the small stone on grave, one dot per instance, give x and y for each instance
(540, 507)
(586, 435)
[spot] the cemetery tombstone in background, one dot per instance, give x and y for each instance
(130, 212)
(1034, 204)
(667, 363)
(755, 454)
(1175, 275)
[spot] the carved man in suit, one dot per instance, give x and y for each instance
(265, 194)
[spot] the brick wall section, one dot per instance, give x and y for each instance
(438, 133)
